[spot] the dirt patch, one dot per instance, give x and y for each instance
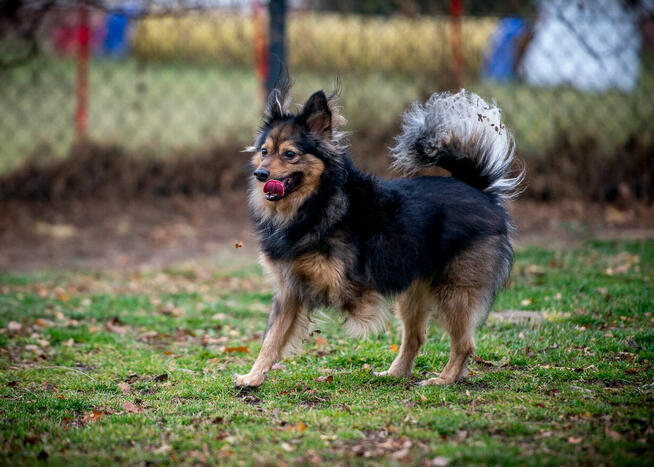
(109, 235)
(165, 231)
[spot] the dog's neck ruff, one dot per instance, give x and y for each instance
(311, 226)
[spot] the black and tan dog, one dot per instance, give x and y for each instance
(333, 236)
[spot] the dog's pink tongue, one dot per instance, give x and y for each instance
(274, 187)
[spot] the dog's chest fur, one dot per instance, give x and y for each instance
(323, 277)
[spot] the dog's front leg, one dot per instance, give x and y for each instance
(288, 317)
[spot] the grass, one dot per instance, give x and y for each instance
(137, 368)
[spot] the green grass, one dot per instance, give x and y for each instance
(168, 108)
(575, 388)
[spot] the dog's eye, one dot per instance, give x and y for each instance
(264, 151)
(289, 155)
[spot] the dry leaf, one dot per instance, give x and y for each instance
(321, 341)
(394, 348)
(575, 439)
(439, 461)
(614, 435)
(238, 245)
(124, 388)
(241, 348)
(225, 451)
(131, 408)
(92, 416)
(69, 342)
(43, 323)
(63, 296)
(13, 326)
(299, 426)
(325, 379)
(287, 447)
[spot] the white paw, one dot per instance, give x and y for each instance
(435, 382)
(251, 380)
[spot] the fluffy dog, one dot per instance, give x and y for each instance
(332, 236)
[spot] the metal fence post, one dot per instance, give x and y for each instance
(276, 46)
(457, 43)
(82, 85)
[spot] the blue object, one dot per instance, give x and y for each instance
(501, 55)
(116, 41)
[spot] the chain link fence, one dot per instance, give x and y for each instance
(178, 78)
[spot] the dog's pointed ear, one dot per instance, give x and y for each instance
(316, 115)
(277, 105)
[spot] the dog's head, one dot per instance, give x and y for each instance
(293, 152)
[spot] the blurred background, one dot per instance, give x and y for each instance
(122, 122)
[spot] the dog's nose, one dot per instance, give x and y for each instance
(261, 174)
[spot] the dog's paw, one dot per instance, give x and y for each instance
(436, 382)
(251, 380)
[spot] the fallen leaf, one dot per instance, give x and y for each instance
(320, 341)
(241, 348)
(63, 296)
(225, 451)
(614, 435)
(161, 378)
(299, 426)
(131, 408)
(527, 301)
(116, 326)
(69, 343)
(287, 447)
(124, 388)
(13, 326)
(423, 398)
(43, 323)
(325, 379)
(575, 439)
(403, 455)
(92, 416)
(238, 245)
(439, 461)
(278, 366)
(394, 348)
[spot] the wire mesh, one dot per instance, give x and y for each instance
(170, 78)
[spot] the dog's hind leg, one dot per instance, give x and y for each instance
(287, 324)
(412, 308)
(459, 311)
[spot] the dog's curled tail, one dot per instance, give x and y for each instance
(463, 134)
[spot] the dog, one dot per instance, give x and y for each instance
(333, 236)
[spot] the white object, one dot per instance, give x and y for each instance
(592, 45)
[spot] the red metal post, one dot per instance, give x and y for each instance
(456, 10)
(260, 46)
(83, 40)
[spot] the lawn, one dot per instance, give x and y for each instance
(137, 368)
